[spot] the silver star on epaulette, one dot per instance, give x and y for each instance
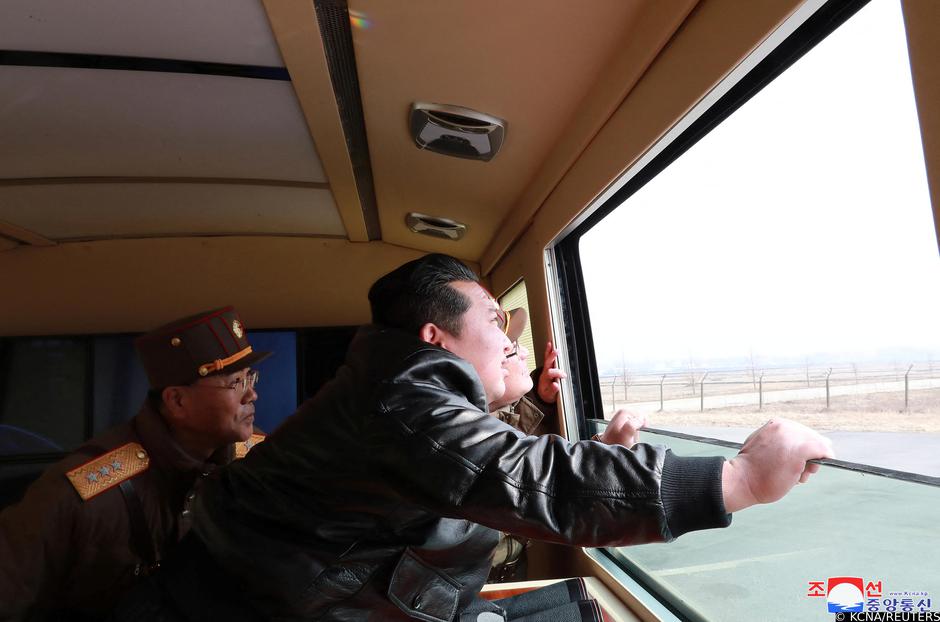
(104, 470)
(116, 465)
(92, 477)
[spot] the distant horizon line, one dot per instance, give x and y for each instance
(727, 364)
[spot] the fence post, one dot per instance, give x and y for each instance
(760, 392)
(661, 381)
(828, 373)
(905, 384)
(701, 392)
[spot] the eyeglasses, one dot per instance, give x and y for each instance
(248, 381)
(515, 350)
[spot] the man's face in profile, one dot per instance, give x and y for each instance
(220, 409)
(482, 342)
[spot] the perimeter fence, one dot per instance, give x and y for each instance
(702, 389)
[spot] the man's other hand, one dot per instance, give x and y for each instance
(623, 429)
(551, 377)
(772, 461)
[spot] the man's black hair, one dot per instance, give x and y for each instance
(419, 292)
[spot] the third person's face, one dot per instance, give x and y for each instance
(518, 380)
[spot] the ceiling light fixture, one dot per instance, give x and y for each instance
(435, 226)
(456, 131)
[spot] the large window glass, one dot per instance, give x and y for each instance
(789, 250)
(785, 265)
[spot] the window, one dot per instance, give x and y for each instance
(120, 383)
(782, 262)
(43, 402)
(277, 389)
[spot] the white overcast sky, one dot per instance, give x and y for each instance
(800, 227)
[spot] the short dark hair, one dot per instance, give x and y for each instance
(419, 292)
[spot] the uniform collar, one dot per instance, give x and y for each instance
(156, 438)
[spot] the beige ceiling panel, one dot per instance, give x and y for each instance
(298, 35)
(89, 211)
(474, 54)
(7, 244)
(655, 25)
(86, 122)
(221, 31)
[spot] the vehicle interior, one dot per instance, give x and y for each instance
(159, 159)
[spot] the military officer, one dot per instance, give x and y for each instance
(107, 514)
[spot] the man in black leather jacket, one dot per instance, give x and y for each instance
(383, 496)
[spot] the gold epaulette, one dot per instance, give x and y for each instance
(242, 448)
(108, 470)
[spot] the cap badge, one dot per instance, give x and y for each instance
(238, 329)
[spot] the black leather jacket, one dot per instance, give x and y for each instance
(380, 498)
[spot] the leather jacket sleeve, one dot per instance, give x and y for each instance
(451, 456)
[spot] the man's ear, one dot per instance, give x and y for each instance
(173, 402)
(434, 334)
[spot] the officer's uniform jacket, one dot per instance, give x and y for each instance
(381, 497)
(528, 415)
(63, 557)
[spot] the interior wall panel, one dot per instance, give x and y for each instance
(135, 285)
(83, 211)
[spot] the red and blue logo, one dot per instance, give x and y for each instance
(845, 594)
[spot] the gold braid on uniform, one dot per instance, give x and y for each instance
(108, 470)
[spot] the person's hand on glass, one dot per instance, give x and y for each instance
(551, 377)
(623, 429)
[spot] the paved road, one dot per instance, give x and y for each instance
(902, 451)
(785, 395)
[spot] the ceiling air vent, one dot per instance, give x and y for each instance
(456, 131)
(435, 226)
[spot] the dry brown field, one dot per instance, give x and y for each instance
(874, 412)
